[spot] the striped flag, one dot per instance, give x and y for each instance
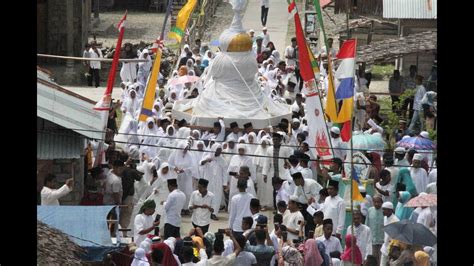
(149, 98)
(340, 102)
(356, 196)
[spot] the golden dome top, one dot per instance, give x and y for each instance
(240, 43)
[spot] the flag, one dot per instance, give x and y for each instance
(103, 104)
(346, 131)
(157, 44)
(177, 32)
(305, 63)
(340, 102)
(150, 90)
(356, 196)
(319, 15)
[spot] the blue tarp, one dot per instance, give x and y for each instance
(85, 222)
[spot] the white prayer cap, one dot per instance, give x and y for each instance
(417, 157)
(295, 108)
(362, 189)
(305, 128)
(145, 51)
(400, 150)
(251, 30)
(264, 28)
(387, 205)
(425, 134)
(186, 46)
(405, 137)
(296, 120)
(335, 130)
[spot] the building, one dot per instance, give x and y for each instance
(65, 120)
(414, 16)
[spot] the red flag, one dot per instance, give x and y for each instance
(306, 69)
(346, 131)
(104, 103)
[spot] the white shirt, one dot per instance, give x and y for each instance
(173, 206)
(289, 51)
(245, 258)
(387, 238)
(340, 145)
(307, 173)
(433, 176)
(425, 217)
(265, 3)
(364, 239)
(310, 189)
(113, 184)
(334, 208)
(282, 195)
(420, 92)
(289, 187)
(388, 187)
(142, 221)
(239, 208)
(201, 216)
(420, 178)
(222, 261)
(332, 244)
(92, 54)
(291, 222)
(266, 40)
(50, 196)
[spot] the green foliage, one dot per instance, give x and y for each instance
(433, 135)
(390, 120)
(380, 72)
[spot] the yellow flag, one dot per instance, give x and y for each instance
(345, 113)
(177, 32)
(149, 97)
(356, 196)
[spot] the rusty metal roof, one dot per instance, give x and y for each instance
(62, 144)
(388, 50)
(410, 9)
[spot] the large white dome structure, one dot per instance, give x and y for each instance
(231, 87)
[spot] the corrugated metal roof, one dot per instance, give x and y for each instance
(410, 9)
(63, 144)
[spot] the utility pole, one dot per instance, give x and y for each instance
(96, 9)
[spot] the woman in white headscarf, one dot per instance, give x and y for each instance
(149, 135)
(207, 59)
(144, 68)
(214, 169)
(276, 56)
(139, 258)
(196, 134)
(251, 140)
(181, 161)
(263, 67)
(238, 160)
(264, 187)
(131, 103)
(230, 149)
(157, 109)
(198, 152)
(167, 142)
(159, 188)
(262, 133)
(173, 96)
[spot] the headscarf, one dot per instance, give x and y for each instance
(251, 147)
(170, 99)
(260, 135)
(206, 61)
(198, 132)
(402, 212)
(422, 258)
(214, 148)
(210, 237)
(276, 55)
(311, 254)
(405, 178)
(168, 258)
(347, 254)
(183, 71)
(149, 63)
(259, 161)
(292, 256)
(149, 204)
(189, 64)
(322, 252)
(158, 103)
(139, 258)
(171, 242)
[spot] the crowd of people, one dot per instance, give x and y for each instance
(163, 169)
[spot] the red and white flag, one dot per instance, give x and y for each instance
(121, 24)
(157, 44)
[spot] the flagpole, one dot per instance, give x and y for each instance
(352, 184)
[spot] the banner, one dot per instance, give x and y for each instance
(177, 32)
(149, 97)
(318, 134)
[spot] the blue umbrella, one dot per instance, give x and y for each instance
(417, 143)
(411, 233)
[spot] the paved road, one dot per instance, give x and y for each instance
(277, 21)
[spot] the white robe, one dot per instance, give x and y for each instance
(264, 189)
(335, 209)
(420, 178)
(234, 166)
(215, 172)
(185, 162)
(128, 72)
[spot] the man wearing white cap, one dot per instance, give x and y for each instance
(400, 159)
(387, 208)
(418, 174)
(265, 36)
(252, 35)
(338, 145)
